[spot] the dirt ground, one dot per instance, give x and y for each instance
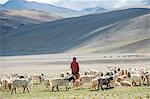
(53, 64)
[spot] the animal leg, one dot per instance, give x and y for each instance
(53, 88)
(57, 88)
(24, 89)
(15, 91)
(12, 90)
(28, 89)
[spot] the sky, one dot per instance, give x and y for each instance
(81, 4)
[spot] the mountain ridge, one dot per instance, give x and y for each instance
(111, 32)
(24, 5)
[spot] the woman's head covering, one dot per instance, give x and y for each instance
(74, 58)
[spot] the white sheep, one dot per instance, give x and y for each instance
(123, 72)
(136, 78)
(91, 72)
(136, 70)
(25, 83)
(56, 82)
(94, 83)
(68, 73)
(88, 78)
(47, 84)
(77, 83)
(37, 78)
(6, 83)
(62, 74)
(65, 74)
(87, 72)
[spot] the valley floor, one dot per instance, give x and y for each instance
(52, 65)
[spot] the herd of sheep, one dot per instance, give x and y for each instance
(114, 77)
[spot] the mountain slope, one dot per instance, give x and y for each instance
(120, 31)
(93, 10)
(33, 16)
(13, 19)
(26, 5)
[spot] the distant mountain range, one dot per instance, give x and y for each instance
(60, 11)
(14, 19)
(26, 5)
(16, 13)
(93, 10)
(117, 31)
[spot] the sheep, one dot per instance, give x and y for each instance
(62, 74)
(47, 84)
(88, 78)
(123, 72)
(6, 83)
(114, 70)
(23, 76)
(104, 81)
(77, 83)
(91, 72)
(65, 74)
(94, 83)
(37, 79)
(56, 82)
(25, 83)
(133, 70)
(68, 73)
(110, 73)
(87, 72)
(136, 78)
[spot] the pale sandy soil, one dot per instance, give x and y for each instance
(52, 65)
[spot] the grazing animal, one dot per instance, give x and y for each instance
(136, 78)
(56, 82)
(88, 78)
(37, 78)
(110, 73)
(25, 83)
(104, 81)
(94, 83)
(47, 84)
(77, 83)
(91, 72)
(62, 74)
(6, 83)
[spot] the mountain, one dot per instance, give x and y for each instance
(13, 19)
(118, 31)
(146, 2)
(93, 10)
(26, 5)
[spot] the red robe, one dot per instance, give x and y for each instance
(75, 69)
